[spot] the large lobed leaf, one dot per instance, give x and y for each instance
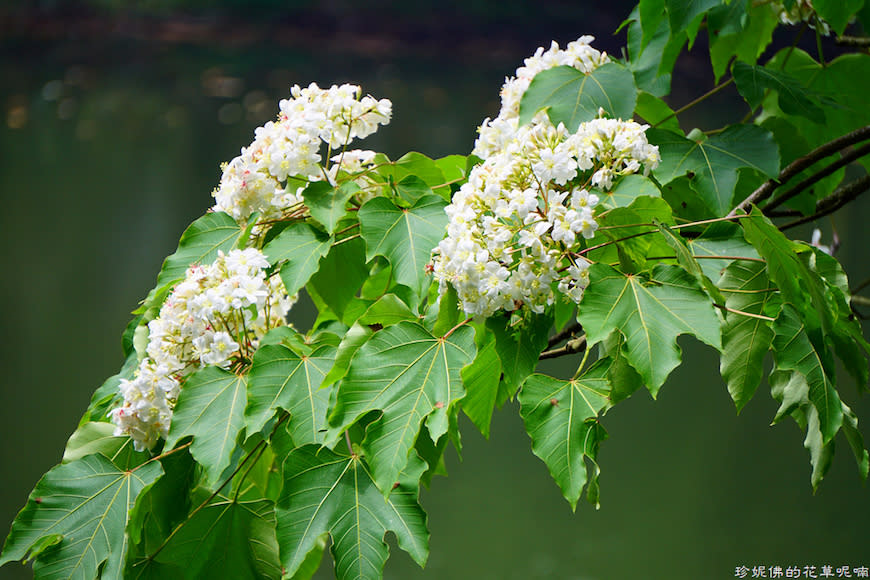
(211, 408)
(410, 376)
(75, 519)
(650, 314)
(200, 244)
(228, 538)
(745, 339)
(818, 300)
(302, 246)
(754, 82)
(712, 164)
(812, 367)
(326, 493)
(404, 236)
(561, 417)
(572, 97)
(282, 379)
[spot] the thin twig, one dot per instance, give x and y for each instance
(853, 41)
(834, 201)
(572, 346)
(795, 167)
(860, 286)
(565, 334)
(818, 176)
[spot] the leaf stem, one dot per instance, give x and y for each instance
(347, 239)
(165, 454)
(697, 101)
(349, 444)
(742, 313)
(452, 330)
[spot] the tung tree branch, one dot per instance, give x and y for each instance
(575, 345)
(816, 177)
(833, 202)
(795, 167)
(853, 41)
(565, 334)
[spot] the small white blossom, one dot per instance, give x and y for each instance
(257, 180)
(519, 222)
(217, 313)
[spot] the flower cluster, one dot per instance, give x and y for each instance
(271, 172)
(494, 134)
(215, 316)
(516, 226)
(801, 11)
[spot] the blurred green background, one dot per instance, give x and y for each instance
(114, 122)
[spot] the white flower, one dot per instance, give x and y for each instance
(257, 180)
(201, 323)
(519, 223)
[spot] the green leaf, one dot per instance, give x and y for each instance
(561, 417)
(844, 84)
(656, 112)
(727, 19)
(837, 13)
(627, 226)
(713, 163)
(690, 264)
(455, 169)
(326, 493)
(412, 188)
(651, 48)
(80, 511)
(749, 44)
(161, 506)
(417, 164)
(405, 237)
(351, 342)
(281, 379)
(96, 437)
(794, 98)
(410, 376)
(682, 13)
(302, 246)
(519, 347)
(821, 453)
(627, 190)
(226, 539)
(200, 244)
(650, 314)
(328, 204)
(481, 380)
(794, 351)
(211, 408)
(572, 97)
(856, 441)
(745, 339)
(388, 310)
(340, 276)
(104, 398)
(715, 250)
